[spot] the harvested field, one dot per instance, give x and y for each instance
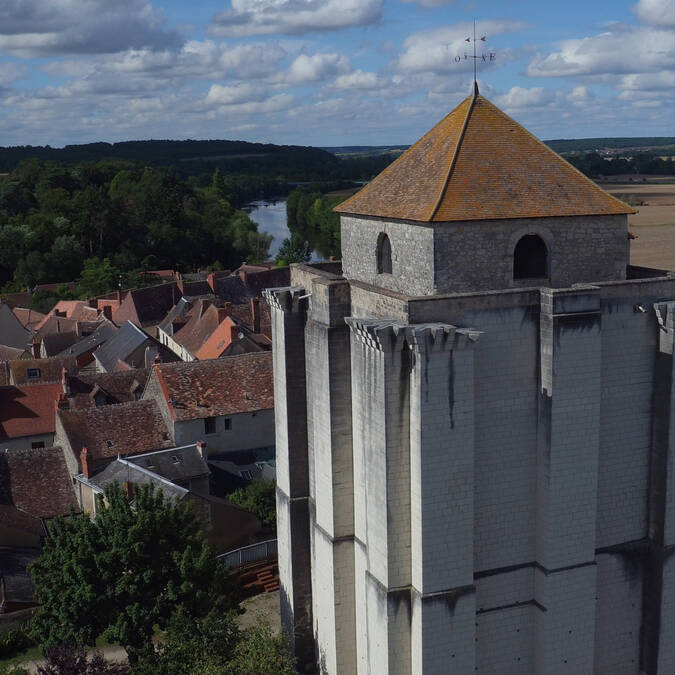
(654, 222)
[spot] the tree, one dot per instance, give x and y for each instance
(261, 653)
(294, 249)
(98, 277)
(75, 661)
(214, 645)
(124, 573)
(258, 497)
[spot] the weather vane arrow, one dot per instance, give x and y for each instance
(485, 57)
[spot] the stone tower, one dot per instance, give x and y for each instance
(473, 412)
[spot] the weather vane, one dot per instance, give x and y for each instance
(485, 56)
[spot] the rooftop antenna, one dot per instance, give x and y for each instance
(486, 57)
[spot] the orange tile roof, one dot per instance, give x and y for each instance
(28, 410)
(479, 164)
(225, 386)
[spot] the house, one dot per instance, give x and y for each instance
(13, 354)
(238, 469)
(94, 437)
(145, 307)
(185, 466)
(29, 318)
(83, 349)
(228, 402)
(35, 486)
(130, 347)
(27, 415)
(77, 310)
(39, 371)
(12, 332)
(129, 474)
(198, 330)
(52, 344)
(89, 390)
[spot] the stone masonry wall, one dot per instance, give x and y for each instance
(474, 256)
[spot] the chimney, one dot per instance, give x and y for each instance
(234, 333)
(255, 314)
(211, 281)
(84, 461)
(62, 402)
(223, 313)
(92, 302)
(36, 348)
(107, 312)
(128, 490)
(65, 382)
(119, 296)
(201, 448)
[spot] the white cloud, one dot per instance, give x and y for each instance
(41, 27)
(656, 12)
(236, 93)
(252, 60)
(435, 50)
(292, 17)
(627, 51)
(431, 3)
(649, 82)
(359, 79)
(10, 72)
(314, 68)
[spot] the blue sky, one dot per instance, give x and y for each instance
(327, 72)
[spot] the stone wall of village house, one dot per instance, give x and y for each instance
(562, 447)
(247, 431)
(476, 256)
(25, 442)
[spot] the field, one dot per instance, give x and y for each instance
(654, 222)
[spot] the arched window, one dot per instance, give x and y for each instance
(383, 254)
(530, 258)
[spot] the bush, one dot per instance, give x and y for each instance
(259, 497)
(14, 642)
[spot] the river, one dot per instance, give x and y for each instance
(271, 218)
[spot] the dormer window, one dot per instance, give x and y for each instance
(383, 254)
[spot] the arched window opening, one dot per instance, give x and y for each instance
(530, 258)
(383, 254)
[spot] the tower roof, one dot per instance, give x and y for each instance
(479, 164)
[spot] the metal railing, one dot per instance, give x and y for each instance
(248, 554)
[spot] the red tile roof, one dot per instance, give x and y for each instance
(28, 410)
(50, 369)
(29, 318)
(479, 164)
(131, 428)
(225, 386)
(78, 310)
(37, 482)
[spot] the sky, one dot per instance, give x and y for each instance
(328, 72)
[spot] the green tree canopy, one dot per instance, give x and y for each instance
(258, 497)
(124, 573)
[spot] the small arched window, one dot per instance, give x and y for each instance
(530, 258)
(383, 254)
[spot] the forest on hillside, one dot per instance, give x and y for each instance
(106, 223)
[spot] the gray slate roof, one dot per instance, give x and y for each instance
(102, 334)
(123, 471)
(118, 348)
(174, 464)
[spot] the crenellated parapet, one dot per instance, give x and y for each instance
(286, 298)
(390, 335)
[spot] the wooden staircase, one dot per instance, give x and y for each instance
(262, 577)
